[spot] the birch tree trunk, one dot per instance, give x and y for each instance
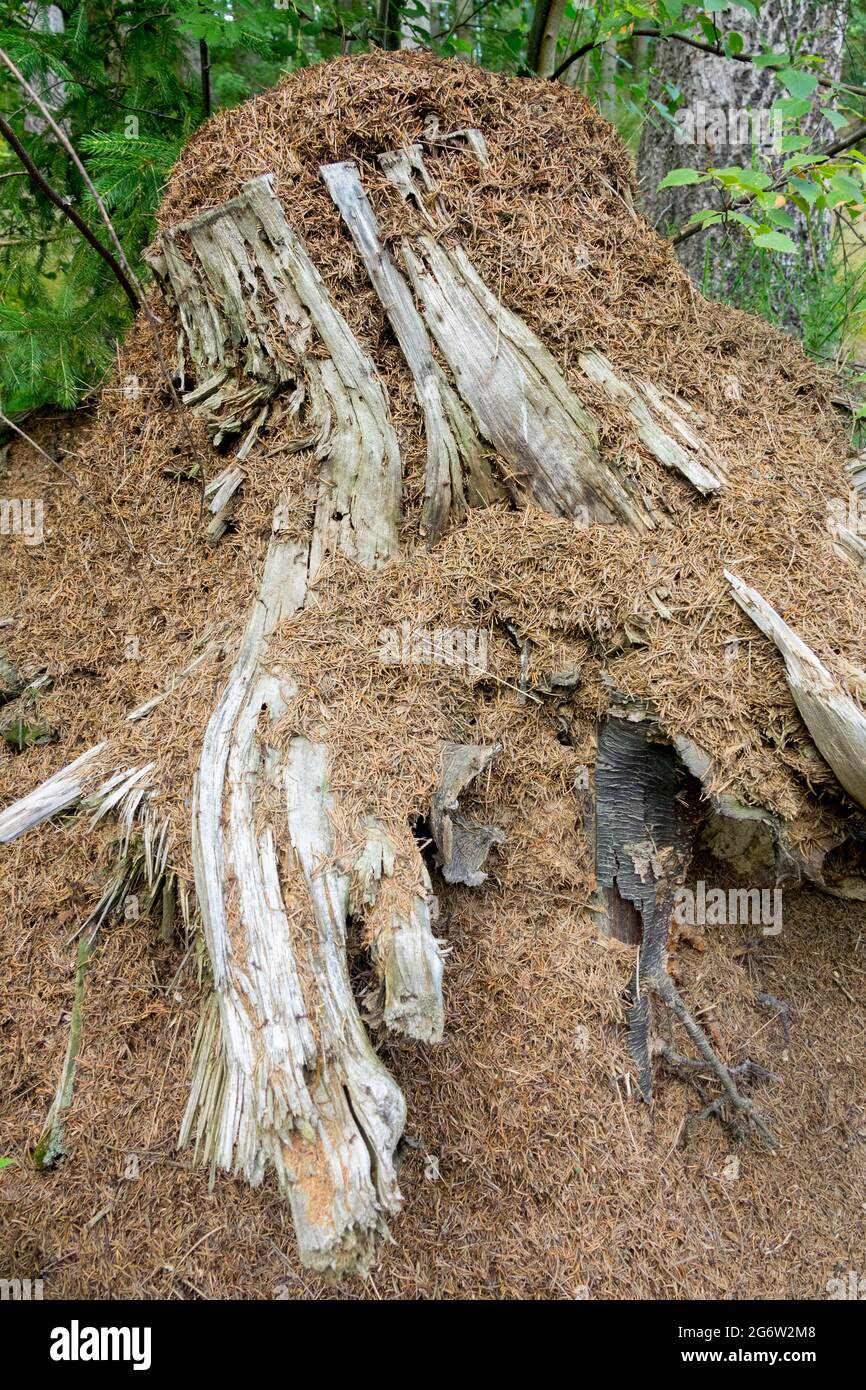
(725, 117)
(47, 19)
(464, 28)
(607, 83)
(415, 29)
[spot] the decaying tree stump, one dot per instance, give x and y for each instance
(285, 1074)
(270, 1086)
(280, 1076)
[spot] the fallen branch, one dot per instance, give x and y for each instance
(52, 1146)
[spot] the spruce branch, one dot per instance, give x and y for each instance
(68, 211)
(129, 273)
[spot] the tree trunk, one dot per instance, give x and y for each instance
(607, 82)
(724, 117)
(269, 1087)
(640, 51)
(415, 30)
(46, 19)
(390, 23)
(544, 35)
(463, 27)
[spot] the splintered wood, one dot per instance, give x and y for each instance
(835, 721)
(65, 789)
(545, 441)
(463, 844)
(452, 444)
(284, 1070)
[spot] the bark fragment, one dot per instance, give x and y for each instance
(643, 846)
(463, 844)
(391, 888)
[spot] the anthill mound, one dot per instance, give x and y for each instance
(535, 1174)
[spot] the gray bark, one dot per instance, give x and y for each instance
(725, 116)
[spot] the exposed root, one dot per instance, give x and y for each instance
(660, 984)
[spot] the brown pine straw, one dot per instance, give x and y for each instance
(548, 1185)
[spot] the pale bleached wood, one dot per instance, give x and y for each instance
(518, 398)
(848, 545)
(665, 426)
(284, 1072)
(475, 142)
(835, 721)
(658, 417)
(244, 351)
(60, 792)
(219, 494)
(453, 448)
(289, 1077)
(406, 170)
(391, 890)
